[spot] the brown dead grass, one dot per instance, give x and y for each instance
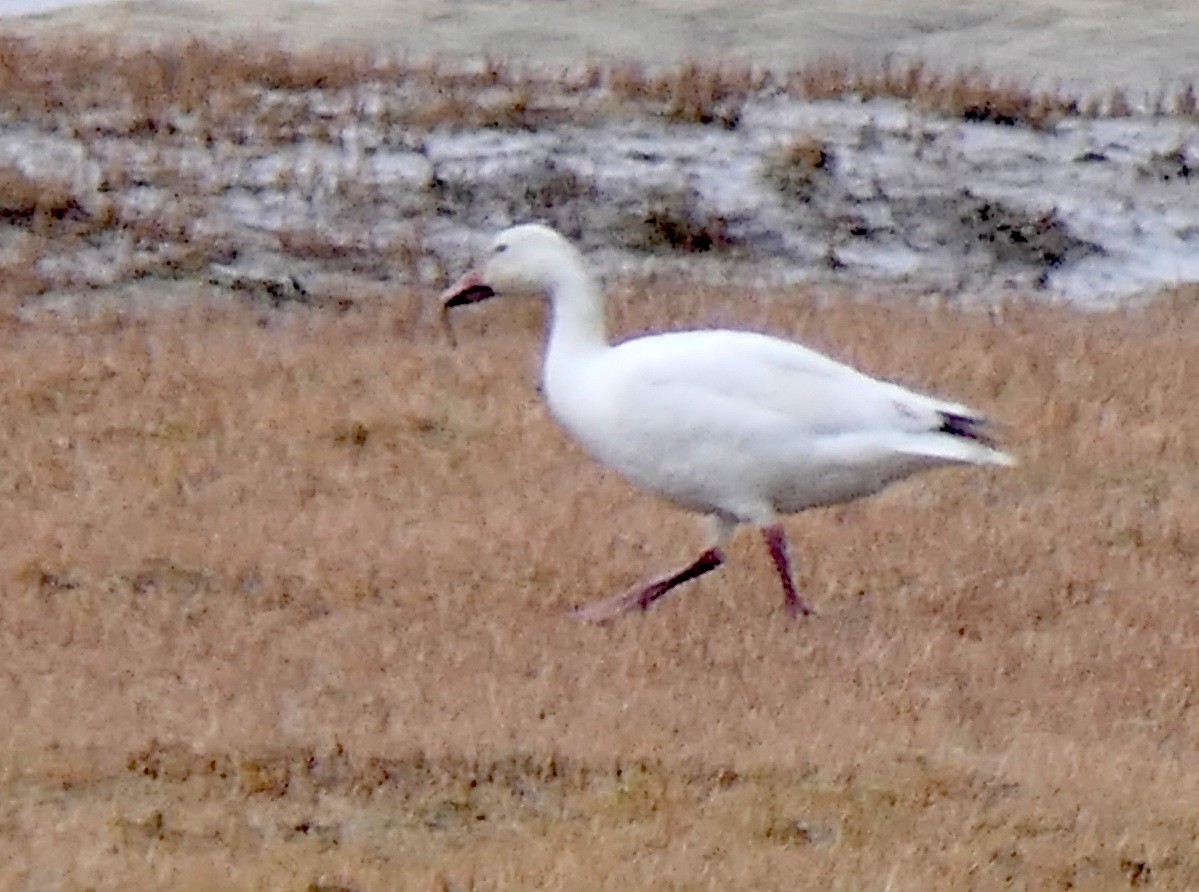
(212, 90)
(974, 95)
(285, 606)
(798, 167)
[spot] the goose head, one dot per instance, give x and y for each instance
(533, 259)
(528, 259)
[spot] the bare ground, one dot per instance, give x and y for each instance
(285, 605)
(327, 174)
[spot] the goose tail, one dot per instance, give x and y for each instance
(970, 439)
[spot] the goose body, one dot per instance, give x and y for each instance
(738, 426)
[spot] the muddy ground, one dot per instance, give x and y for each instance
(346, 174)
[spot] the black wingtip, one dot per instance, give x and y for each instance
(967, 427)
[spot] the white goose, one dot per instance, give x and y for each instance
(738, 426)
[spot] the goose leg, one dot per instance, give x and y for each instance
(776, 541)
(642, 597)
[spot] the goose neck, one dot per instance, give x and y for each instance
(577, 315)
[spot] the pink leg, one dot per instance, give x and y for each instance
(776, 540)
(642, 597)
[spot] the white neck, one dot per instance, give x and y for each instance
(576, 341)
(576, 323)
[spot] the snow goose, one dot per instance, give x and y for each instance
(738, 426)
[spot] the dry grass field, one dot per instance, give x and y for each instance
(285, 593)
(285, 606)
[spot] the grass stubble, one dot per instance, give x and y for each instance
(285, 592)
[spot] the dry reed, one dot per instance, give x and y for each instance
(212, 89)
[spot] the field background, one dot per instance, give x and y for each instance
(285, 606)
(1078, 42)
(285, 585)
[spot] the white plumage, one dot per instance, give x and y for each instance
(737, 426)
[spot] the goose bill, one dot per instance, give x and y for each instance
(470, 289)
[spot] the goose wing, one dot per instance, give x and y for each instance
(736, 383)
